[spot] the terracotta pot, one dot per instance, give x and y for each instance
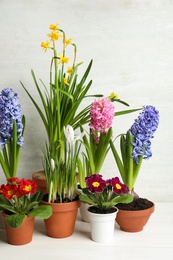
(21, 235)
(133, 220)
(61, 223)
(40, 179)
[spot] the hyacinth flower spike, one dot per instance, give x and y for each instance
(135, 145)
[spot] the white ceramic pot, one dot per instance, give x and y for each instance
(84, 212)
(102, 226)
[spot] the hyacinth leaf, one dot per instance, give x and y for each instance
(136, 167)
(42, 211)
(81, 172)
(102, 150)
(119, 113)
(13, 151)
(15, 220)
(130, 160)
(118, 161)
(4, 163)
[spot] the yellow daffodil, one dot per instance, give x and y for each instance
(63, 59)
(113, 96)
(45, 45)
(70, 70)
(67, 42)
(54, 36)
(66, 82)
(54, 27)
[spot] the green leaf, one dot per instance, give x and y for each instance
(15, 220)
(42, 211)
(119, 113)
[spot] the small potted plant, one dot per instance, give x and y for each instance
(102, 196)
(135, 146)
(62, 186)
(19, 204)
(12, 124)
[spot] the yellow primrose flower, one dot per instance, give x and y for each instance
(70, 70)
(66, 82)
(113, 96)
(67, 42)
(63, 59)
(54, 27)
(54, 36)
(45, 45)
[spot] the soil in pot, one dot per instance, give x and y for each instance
(101, 211)
(136, 204)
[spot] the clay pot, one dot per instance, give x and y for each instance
(39, 178)
(61, 223)
(133, 220)
(21, 235)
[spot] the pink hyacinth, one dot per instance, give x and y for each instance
(102, 114)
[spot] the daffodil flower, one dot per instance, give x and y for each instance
(66, 82)
(70, 70)
(67, 42)
(54, 27)
(54, 36)
(113, 96)
(63, 59)
(45, 45)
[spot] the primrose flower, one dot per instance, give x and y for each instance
(102, 114)
(95, 183)
(104, 194)
(10, 111)
(143, 130)
(118, 187)
(27, 186)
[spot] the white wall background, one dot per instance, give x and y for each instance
(131, 43)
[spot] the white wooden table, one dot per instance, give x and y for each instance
(154, 242)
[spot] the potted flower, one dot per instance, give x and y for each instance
(97, 144)
(62, 186)
(61, 101)
(135, 146)
(19, 203)
(103, 195)
(12, 124)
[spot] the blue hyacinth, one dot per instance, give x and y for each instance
(143, 131)
(10, 111)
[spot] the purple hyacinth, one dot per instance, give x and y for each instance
(10, 111)
(143, 131)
